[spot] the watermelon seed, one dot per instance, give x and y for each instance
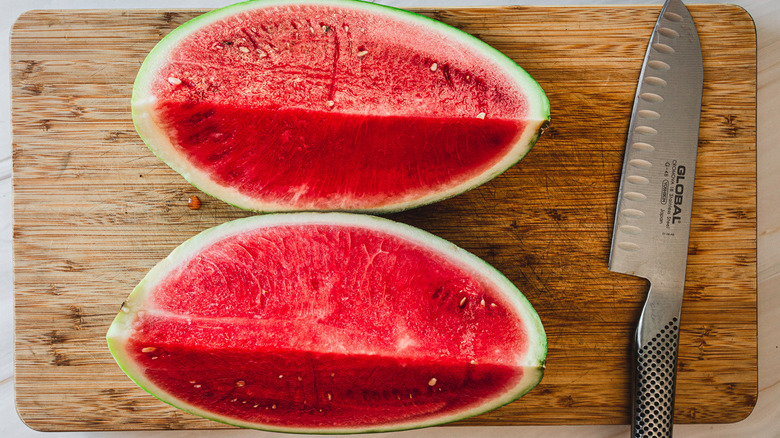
(243, 402)
(434, 66)
(234, 400)
(330, 103)
(155, 358)
(197, 386)
(243, 49)
(194, 203)
(281, 376)
(254, 406)
(462, 302)
(362, 53)
(192, 381)
(300, 378)
(432, 382)
(240, 383)
(493, 305)
(473, 362)
(148, 349)
(481, 116)
(346, 28)
(482, 302)
(174, 81)
(273, 406)
(330, 396)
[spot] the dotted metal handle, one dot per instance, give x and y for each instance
(654, 382)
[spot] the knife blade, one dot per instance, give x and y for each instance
(653, 215)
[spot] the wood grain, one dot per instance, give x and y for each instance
(94, 210)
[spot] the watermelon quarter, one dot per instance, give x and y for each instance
(328, 323)
(282, 105)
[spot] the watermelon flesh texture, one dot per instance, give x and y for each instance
(336, 105)
(315, 325)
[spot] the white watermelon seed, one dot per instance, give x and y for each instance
(473, 362)
(244, 402)
(362, 53)
(234, 400)
(155, 358)
(434, 66)
(240, 383)
(254, 406)
(243, 49)
(330, 103)
(148, 349)
(273, 406)
(197, 386)
(493, 305)
(192, 381)
(330, 396)
(281, 376)
(481, 115)
(482, 302)
(174, 81)
(300, 378)
(432, 382)
(462, 302)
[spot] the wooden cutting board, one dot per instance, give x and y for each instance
(94, 210)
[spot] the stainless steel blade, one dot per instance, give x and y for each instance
(652, 221)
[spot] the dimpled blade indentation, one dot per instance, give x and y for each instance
(655, 377)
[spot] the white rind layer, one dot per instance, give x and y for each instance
(533, 361)
(150, 129)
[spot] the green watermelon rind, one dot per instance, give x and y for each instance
(159, 143)
(534, 359)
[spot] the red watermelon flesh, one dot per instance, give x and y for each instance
(326, 324)
(336, 105)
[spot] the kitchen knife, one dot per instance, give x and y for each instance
(653, 216)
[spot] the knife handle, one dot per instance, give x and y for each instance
(655, 365)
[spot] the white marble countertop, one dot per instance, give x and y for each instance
(763, 422)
